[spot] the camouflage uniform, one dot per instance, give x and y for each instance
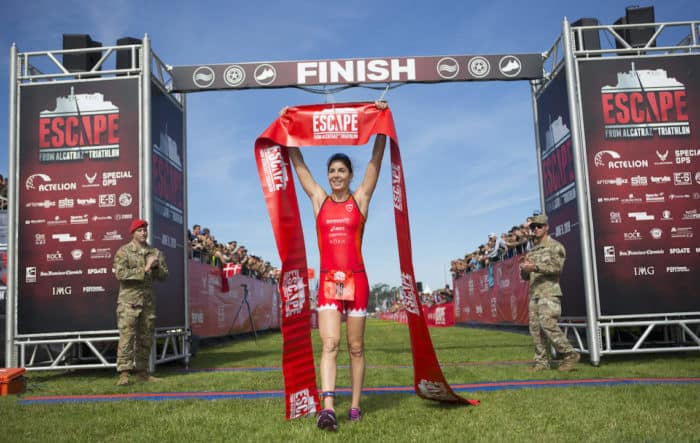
(545, 299)
(135, 305)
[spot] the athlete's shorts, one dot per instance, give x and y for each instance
(354, 308)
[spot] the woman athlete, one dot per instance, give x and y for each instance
(340, 222)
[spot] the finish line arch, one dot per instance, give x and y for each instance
(170, 81)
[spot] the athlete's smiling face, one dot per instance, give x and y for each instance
(339, 176)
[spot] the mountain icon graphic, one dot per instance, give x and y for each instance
(266, 74)
(511, 66)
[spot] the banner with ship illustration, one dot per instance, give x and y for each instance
(641, 121)
(168, 230)
(560, 188)
(78, 190)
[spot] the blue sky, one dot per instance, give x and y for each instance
(468, 148)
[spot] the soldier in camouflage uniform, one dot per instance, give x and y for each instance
(136, 265)
(542, 266)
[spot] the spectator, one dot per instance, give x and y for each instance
(516, 241)
(206, 249)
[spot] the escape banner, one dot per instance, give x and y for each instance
(78, 192)
(642, 130)
(167, 228)
(319, 125)
(560, 189)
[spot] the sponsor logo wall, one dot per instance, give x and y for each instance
(641, 125)
(560, 189)
(78, 189)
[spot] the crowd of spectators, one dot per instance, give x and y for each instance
(204, 247)
(508, 244)
(430, 298)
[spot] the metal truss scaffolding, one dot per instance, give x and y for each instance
(83, 349)
(596, 333)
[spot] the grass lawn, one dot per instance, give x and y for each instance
(624, 413)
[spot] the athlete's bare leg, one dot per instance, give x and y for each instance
(329, 329)
(356, 348)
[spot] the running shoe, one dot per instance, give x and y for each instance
(326, 420)
(355, 414)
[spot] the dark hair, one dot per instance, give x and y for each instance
(340, 157)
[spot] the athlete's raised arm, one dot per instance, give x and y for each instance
(315, 192)
(364, 192)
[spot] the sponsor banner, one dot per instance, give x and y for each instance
(353, 71)
(78, 174)
(436, 316)
(216, 313)
(560, 187)
(504, 303)
(642, 131)
(167, 227)
(351, 124)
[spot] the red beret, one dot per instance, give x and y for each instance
(138, 223)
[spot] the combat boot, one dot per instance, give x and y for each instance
(123, 378)
(537, 368)
(146, 377)
(569, 361)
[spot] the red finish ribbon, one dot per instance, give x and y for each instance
(319, 125)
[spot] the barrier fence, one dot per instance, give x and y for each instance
(505, 302)
(436, 316)
(222, 306)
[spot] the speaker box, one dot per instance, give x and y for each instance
(83, 61)
(124, 55)
(638, 37)
(419, 287)
(590, 38)
(622, 32)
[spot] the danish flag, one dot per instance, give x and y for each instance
(230, 270)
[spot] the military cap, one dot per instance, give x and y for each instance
(540, 219)
(138, 223)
